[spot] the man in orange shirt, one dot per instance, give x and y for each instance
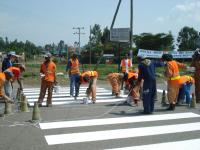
(115, 80)
(91, 78)
(74, 75)
(126, 67)
(173, 77)
(6, 75)
(17, 71)
(184, 92)
(48, 79)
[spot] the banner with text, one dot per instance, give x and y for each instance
(158, 54)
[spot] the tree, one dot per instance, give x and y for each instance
(160, 41)
(187, 39)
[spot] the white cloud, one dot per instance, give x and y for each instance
(189, 11)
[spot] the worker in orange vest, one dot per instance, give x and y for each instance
(17, 71)
(6, 75)
(126, 67)
(48, 79)
(91, 78)
(184, 92)
(133, 87)
(74, 75)
(173, 76)
(115, 80)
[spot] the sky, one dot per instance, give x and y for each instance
(47, 21)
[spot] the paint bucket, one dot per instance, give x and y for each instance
(85, 100)
(56, 89)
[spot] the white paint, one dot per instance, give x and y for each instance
(107, 121)
(120, 133)
(78, 101)
(55, 99)
(61, 88)
(193, 144)
(62, 91)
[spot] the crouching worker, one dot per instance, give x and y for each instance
(133, 87)
(184, 92)
(115, 80)
(91, 78)
(5, 76)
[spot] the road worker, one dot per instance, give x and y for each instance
(134, 89)
(126, 67)
(91, 78)
(147, 73)
(115, 80)
(17, 71)
(74, 75)
(196, 65)
(6, 75)
(172, 74)
(48, 79)
(184, 92)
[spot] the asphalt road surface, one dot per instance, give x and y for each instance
(108, 124)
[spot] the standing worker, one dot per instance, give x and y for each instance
(173, 77)
(196, 65)
(126, 67)
(8, 61)
(91, 78)
(147, 73)
(48, 79)
(74, 75)
(6, 75)
(115, 80)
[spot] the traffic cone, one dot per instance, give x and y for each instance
(36, 112)
(23, 104)
(193, 102)
(163, 102)
(8, 108)
(18, 94)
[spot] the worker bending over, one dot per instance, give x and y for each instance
(115, 80)
(91, 78)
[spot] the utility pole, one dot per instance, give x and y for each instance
(79, 35)
(131, 24)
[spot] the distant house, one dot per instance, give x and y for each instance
(109, 58)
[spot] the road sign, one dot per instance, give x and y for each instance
(120, 34)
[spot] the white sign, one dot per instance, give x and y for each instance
(120, 34)
(158, 54)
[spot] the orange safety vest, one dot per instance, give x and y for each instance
(49, 71)
(174, 78)
(2, 80)
(88, 74)
(16, 71)
(185, 78)
(74, 66)
(132, 75)
(123, 65)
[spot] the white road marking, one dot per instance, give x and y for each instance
(120, 133)
(107, 121)
(193, 144)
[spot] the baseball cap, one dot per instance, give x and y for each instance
(47, 55)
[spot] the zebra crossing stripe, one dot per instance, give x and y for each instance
(78, 101)
(108, 121)
(193, 144)
(120, 133)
